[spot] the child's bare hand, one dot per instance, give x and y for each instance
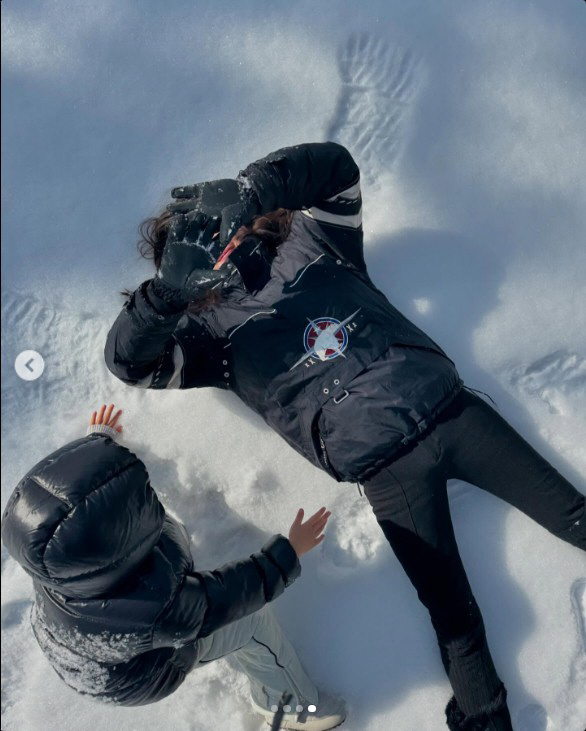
(305, 536)
(104, 417)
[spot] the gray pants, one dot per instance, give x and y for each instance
(260, 648)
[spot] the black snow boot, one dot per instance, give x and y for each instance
(495, 718)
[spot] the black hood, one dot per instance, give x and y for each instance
(83, 517)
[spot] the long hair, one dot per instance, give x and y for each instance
(153, 234)
(272, 228)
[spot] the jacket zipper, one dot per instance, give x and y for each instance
(326, 459)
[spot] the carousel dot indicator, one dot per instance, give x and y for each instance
(311, 708)
(274, 708)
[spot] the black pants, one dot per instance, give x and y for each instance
(470, 442)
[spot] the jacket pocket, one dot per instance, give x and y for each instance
(320, 449)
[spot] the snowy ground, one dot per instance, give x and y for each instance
(467, 119)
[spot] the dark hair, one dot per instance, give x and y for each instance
(272, 228)
(153, 234)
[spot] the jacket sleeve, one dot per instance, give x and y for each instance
(323, 181)
(209, 600)
(144, 347)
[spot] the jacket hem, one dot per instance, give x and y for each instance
(407, 444)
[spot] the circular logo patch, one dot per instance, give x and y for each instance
(325, 337)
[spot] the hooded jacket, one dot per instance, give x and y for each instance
(119, 607)
(301, 334)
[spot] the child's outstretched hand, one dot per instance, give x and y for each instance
(305, 536)
(103, 420)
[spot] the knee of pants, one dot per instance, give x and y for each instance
(458, 625)
(575, 532)
(466, 643)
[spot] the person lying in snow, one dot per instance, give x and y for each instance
(121, 612)
(262, 288)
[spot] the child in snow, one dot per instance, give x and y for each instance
(262, 289)
(120, 611)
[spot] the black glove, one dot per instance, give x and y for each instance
(210, 197)
(189, 256)
(230, 200)
(239, 214)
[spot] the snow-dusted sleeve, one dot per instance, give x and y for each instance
(321, 180)
(144, 347)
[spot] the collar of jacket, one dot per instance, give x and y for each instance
(253, 260)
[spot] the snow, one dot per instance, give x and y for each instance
(467, 121)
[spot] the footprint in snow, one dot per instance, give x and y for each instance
(578, 596)
(568, 708)
(71, 344)
(354, 540)
(379, 82)
(558, 379)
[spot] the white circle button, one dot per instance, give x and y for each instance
(29, 365)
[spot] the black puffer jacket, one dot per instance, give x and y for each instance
(118, 604)
(301, 334)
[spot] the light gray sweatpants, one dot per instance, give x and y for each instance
(260, 648)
